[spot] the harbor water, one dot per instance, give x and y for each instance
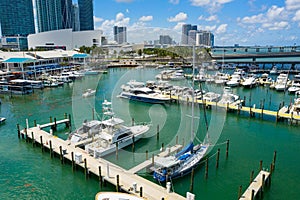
(28, 173)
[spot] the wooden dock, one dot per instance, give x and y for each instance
(257, 186)
(106, 171)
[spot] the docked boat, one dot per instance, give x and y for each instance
(295, 86)
(211, 97)
(228, 96)
(137, 91)
(250, 81)
(89, 92)
(274, 70)
(265, 79)
(116, 196)
(281, 83)
(177, 75)
(112, 134)
(182, 163)
(221, 78)
(2, 120)
(201, 76)
(234, 81)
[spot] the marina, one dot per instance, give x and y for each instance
(240, 129)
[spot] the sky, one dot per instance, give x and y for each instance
(243, 22)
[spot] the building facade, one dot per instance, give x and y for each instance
(205, 38)
(186, 28)
(75, 18)
(49, 15)
(16, 17)
(86, 15)
(66, 10)
(165, 39)
(120, 34)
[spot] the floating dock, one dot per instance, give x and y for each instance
(123, 179)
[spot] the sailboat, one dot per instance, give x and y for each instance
(182, 163)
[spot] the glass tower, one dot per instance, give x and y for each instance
(66, 6)
(49, 15)
(16, 17)
(86, 15)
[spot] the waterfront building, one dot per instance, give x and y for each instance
(185, 32)
(86, 15)
(64, 39)
(205, 38)
(120, 34)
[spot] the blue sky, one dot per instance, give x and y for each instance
(244, 22)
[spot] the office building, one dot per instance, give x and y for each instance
(165, 39)
(120, 34)
(16, 17)
(75, 18)
(192, 37)
(66, 10)
(49, 15)
(86, 15)
(205, 38)
(185, 32)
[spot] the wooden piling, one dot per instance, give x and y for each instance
(55, 125)
(26, 136)
(176, 139)
(274, 159)
(132, 145)
(70, 120)
(217, 159)
(85, 169)
(240, 192)
(251, 176)
(100, 177)
(152, 159)
(146, 154)
(141, 191)
(206, 168)
(25, 130)
(93, 114)
(162, 146)
(51, 150)
(227, 148)
(42, 146)
(192, 180)
(118, 184)
(132, 121)
(73, 162)
(61, 154)
(34, 122)
(32, 139)
(260, 165)
(19, 132)
(157, 132)
(252, 194)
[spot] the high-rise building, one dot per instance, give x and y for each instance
(205, 38)
(86, 15)
(120, 34)
(165, 39)
(49, 15)
(66, 10)
(185, 33)
(75, 18)
(16, 17)
(192, 37)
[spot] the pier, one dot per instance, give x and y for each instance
(256, 188)
(125, 180)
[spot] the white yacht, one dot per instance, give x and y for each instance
(274, 70)
(177, 75)
(211, 97)
(234, 81)
(295, 86)
(137, 91)
(228, 96)
(281, 83)
(221, 78)
(265, 79)
(201, 76)
(88, 93)
(250, 81)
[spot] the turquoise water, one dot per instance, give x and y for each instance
(27, 173)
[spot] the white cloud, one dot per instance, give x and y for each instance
(276, 25)
(119, 16)
(296, 16)
(292, 4)
(97, 19)
(221, 29)
(178, 26)
(146, 18)
(212, 18)
(201, 17)
(212, 5)
(208, 28)
(174, 1)
(179, 17)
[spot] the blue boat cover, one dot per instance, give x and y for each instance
(187, 148)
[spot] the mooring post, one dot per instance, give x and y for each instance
(260, 165)
(100, 177)
(141, 191)
(176, 139)
(132, 121)
(93, 113)
(217, 159)
(70, 120)
(85, 169)
(73, 163)
(60, 153)
(240, 192)
(55, 125)
(133, 143)
(206, 168)
(251, 176)
(227, 148)
(152, 159)
(42, 146)
(157, 132)
(32, 138)
(26, 136)
(19, 132)
(34, 121)
(146, 154)
(25, 130)
(51, 150)
(162, 146)
(192, 180)
(118, 183)
(252, 194)
(274, 159)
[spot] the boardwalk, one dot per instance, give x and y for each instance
(109, 171)
(257, 186)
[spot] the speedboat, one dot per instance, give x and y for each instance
(137, 91)
(264, 79)
(274, 70)
(89, 92)
(234, 81)
(177, 75)
(221, 78)
(200, 77)
(211, 97)
(228, 96)
(249, 81)
(295, 86)
(281, 82)
(113, 134)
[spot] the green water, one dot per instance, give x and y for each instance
(27, 173)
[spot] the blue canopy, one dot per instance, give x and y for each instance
(18, 60)
(81, 55)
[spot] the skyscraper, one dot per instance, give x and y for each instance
(120, 34)
(16, 17)
(75, 18)
(49, 15)
(66, 10)
(185, 33)
(205, 38)
(86, 15)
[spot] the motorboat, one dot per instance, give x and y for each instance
(221, 78)
(201, 76)
(234, 81)
(228, 96)
(89, 92)
(265, 79)
(281, 83)
(137, 91)
(295, 86)
(274, 70)
(177, 75)
(211, 97)
(113, 134)
(2, 120)
(116, 196)
(249, 81)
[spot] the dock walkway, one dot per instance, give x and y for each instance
(109, 171)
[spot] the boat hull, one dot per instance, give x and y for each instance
(145, 99)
